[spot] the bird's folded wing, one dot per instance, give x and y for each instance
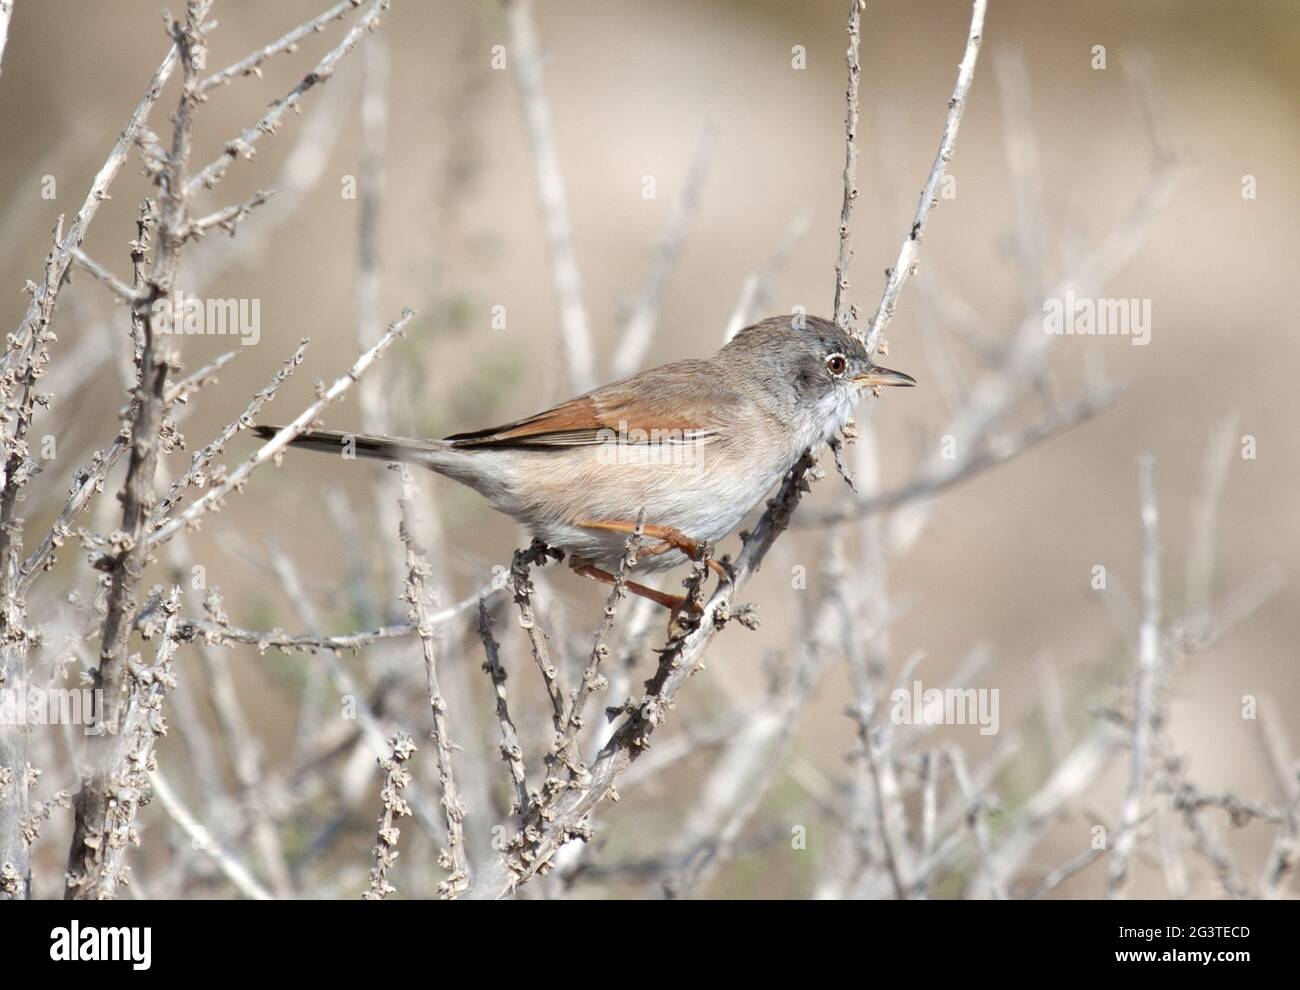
(672, 404)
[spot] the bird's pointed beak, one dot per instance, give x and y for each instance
(877, 376)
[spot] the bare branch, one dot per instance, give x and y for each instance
(92, 871)
(245, 143)
(89, 479)
(115, 285)
(550, 191)
(203, 840)
(223, 634)
(842, 313)
(252, 64)
(420, 598)
(196, 474)
(898, 275)
(100, 843)
(229, 217)
(45, 296)
(1149, 656)
(396, 777)
(511, 751)
(521, 585)
(235, 480)
(592, 679)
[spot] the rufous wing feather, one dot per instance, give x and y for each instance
(664, 402)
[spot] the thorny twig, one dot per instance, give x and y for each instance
(842, 310)
(235, 480)
(92, 870)
(244, 144)
(897, 276)
(592, 679)
(418, 596)
(396, 777)
(511, 751)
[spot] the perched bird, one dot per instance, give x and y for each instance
(695, 444)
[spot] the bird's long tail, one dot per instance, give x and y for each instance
(362, 445)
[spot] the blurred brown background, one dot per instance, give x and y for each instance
(631, 87)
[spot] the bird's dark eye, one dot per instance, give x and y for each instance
(836, 364)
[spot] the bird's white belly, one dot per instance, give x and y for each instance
(705, 501)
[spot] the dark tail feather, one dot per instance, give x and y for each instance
(358, 444)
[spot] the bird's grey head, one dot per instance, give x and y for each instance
(807, 367)
(806, 370)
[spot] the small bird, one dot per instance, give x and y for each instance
(696, 445)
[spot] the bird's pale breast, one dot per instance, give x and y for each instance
(702, 488)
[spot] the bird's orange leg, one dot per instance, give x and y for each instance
(669, 537)
(673, 603)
